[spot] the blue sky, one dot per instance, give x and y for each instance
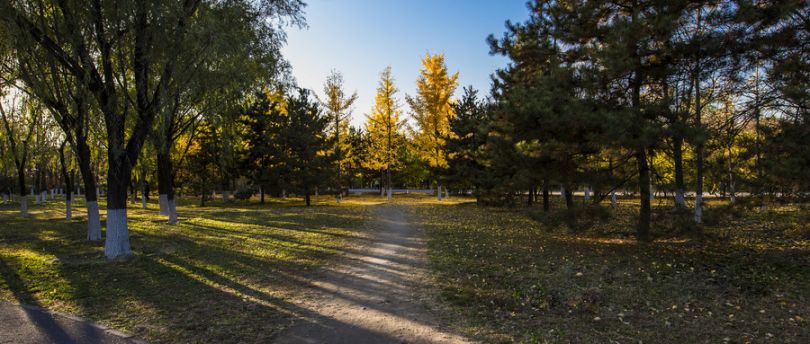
(360, 38)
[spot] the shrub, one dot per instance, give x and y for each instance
(243, 194)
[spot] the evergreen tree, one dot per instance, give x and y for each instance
(261, 157)
(203, 158)
(305, 142)
(466, 139)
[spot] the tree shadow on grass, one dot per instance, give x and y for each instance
(32, 324)
(202, 290)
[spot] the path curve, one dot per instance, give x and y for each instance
(377, 295)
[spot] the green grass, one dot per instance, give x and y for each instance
(524, 276)
(224, 274)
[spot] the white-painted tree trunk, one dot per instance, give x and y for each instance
(562, 191)
(172, 208)
(587, 193)
(163, 201)
(36, 199)
(69, 210)
(44, 196)
(93, 221)
(698, 208)
(316, 192)
(680, 200)
(5, 198)
(446, 193)
(439, 192)
(143, 201)
(117, 243)
(389, 194)
(613, 199)
(24, 206)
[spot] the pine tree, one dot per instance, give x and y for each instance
(306, 143)
(466, 139)
(203, 160)
(432, 109)
(261, 135)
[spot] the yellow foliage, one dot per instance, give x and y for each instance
(383, 125)
(432, 109)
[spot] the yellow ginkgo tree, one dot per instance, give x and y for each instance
(432, 109)
(384, 125)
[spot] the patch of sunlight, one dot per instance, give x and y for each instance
(23, 253)
(217, 224)
(38, 275)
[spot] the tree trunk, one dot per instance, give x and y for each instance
(731, 190)
(203, 194)
(546, 205)
(306, 197)
(144, 191)
(118, 176)
(530, 199)
(261, 194)
(643, 227)
(613, 199)
(388, 171)
(23, 190)
(699, 146)
(438, 190)
(164, 180)
(569, 198)
(91, 199)
(677, 157)
(168, 206)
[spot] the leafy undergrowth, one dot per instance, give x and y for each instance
(527, 276)
(222, 275)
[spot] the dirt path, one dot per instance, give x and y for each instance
(377, 295)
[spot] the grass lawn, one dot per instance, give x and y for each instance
(525, 276)
(224, 274)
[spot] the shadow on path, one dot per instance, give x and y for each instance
(377, 295)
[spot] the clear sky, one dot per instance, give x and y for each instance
(360, 38)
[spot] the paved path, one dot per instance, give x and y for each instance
(376, 296)
(33, 325)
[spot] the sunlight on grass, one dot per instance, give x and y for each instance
(222, 269)
(526, 276)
